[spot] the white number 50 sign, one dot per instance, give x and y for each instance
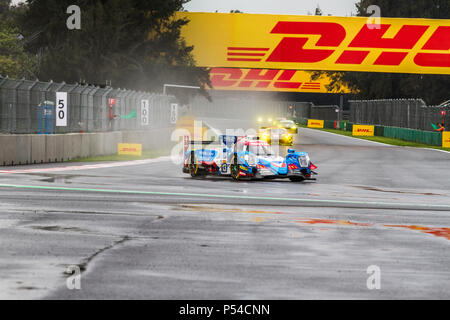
(61, 109)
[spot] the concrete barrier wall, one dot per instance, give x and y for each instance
(32, 149)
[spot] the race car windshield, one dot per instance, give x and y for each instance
(278, 131)
(260, 150)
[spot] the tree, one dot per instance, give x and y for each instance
(15, 62)
(136, 44)
(433, 89)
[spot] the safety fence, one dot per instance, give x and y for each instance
(403, 113)
(25, 105)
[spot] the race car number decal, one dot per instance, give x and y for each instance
(224, 168)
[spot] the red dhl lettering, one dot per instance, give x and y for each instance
(129, 150)
(259, 78)
(291, 49)
(363, 130)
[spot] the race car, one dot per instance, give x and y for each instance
(289, 125)
(265, 122)
(279, 135)
(254, 158)
(245, 157)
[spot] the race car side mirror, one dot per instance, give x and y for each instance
(291, 151)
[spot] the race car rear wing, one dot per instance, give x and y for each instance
(225, 141)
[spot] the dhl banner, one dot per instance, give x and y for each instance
(269, 80)
(315, 123)
(446, 139)
(283, 42)
(360, 130)
(129, 149)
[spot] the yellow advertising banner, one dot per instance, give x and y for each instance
(285, 42)
(360, 130)
(269, 80)
(129, 149)
(446, 139)
(312, 123)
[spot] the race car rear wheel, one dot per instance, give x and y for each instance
(297, 179)
(193, 168)
(234, 169)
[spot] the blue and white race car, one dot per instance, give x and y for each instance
(245, 158)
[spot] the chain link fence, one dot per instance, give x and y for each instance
(403, 113)
(88, 107)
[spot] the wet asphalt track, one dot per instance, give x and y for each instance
(148, 231)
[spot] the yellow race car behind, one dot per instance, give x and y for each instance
(277, 135)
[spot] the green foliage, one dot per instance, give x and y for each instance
(15, 62)
(133, 43)
(433, 89)
(434, 9)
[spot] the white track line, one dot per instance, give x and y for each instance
(380, 143)
(88, 166)
(340, 135)
(431, 149)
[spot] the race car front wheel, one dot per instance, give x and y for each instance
(193, 165)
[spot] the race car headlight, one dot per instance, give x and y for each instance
(304, 161)
(250, 159)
